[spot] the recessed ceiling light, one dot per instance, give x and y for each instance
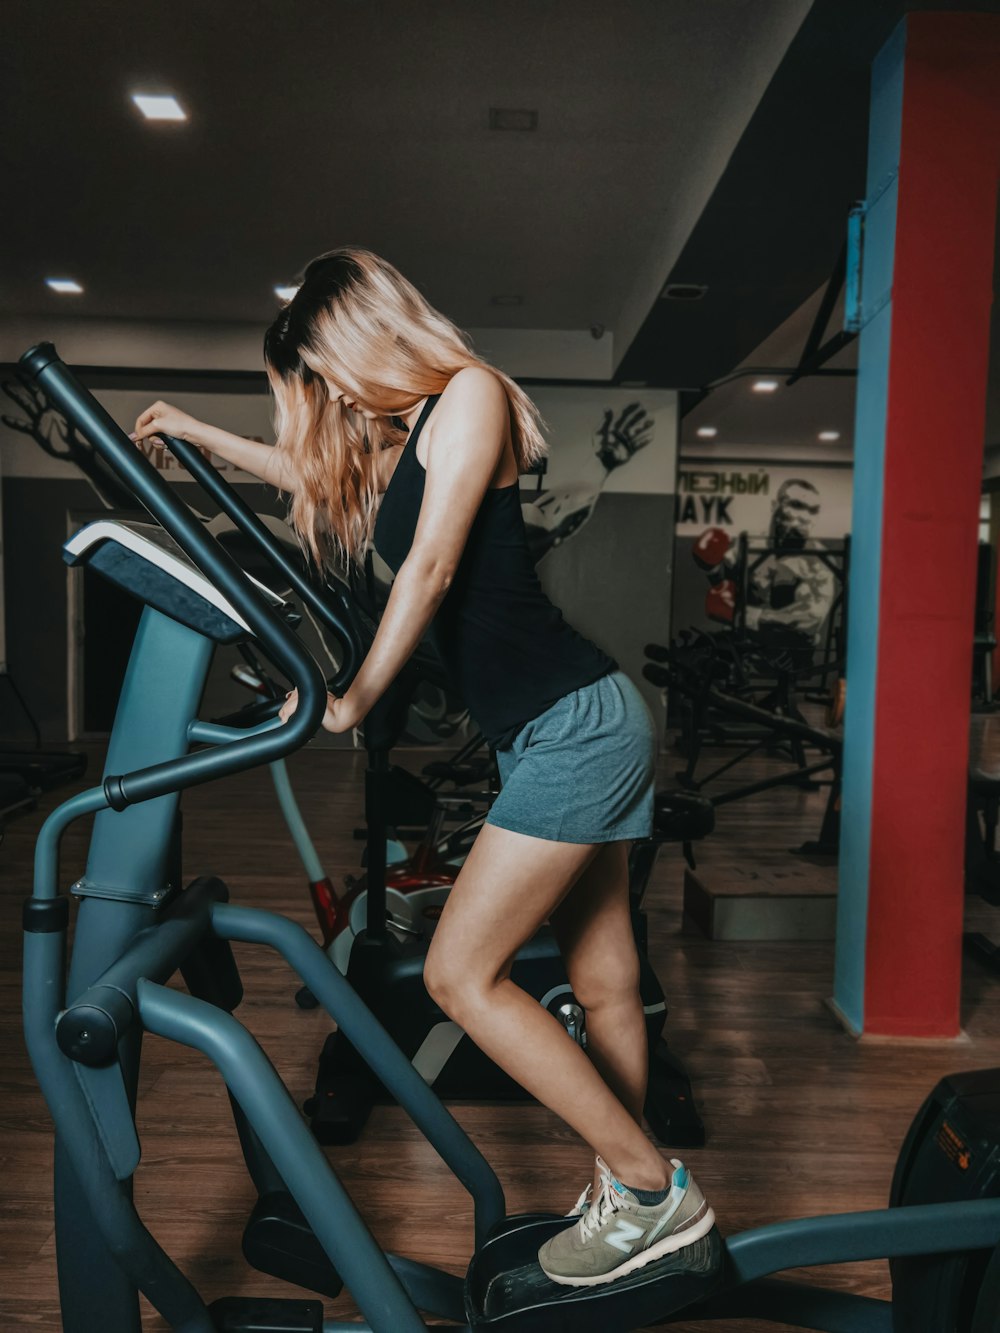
(507, 300)
(159, 106)
(64, 286)
(684, 291)
(765, 386)
(285, 293)
(708, 432)
(829, 435)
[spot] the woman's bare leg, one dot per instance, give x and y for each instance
(593, 925)
(509, 885)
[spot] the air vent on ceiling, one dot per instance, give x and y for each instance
(684, 291)
(512, 118)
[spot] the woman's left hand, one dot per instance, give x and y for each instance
(340, 714)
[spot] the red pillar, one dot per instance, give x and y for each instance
(942, 287)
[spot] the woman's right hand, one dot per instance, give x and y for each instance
(163, 419)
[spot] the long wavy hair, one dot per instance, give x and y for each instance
(356, 321)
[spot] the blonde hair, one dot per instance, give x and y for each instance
(357, 321)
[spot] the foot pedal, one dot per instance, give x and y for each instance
(237, 1314)
(278, 1240)
(507, 1290)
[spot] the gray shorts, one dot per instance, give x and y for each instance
(582, 771)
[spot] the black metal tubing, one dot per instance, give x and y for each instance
(682, 678)
(788, 779)
(334, 609)
(42, 365)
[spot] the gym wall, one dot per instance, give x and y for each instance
(612, 573)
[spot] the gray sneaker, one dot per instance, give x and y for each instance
(618, 1234)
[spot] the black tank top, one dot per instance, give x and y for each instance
(507, 650)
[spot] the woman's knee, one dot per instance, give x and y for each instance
(455, 983)
(439, 980)
(595, 989)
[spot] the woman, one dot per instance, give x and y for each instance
(391, 431)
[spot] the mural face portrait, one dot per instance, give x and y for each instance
(796, 507)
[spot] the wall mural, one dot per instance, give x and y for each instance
(794, 519)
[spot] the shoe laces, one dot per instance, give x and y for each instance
(582, 1203)
(608, 1202)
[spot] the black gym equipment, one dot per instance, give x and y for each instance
(135, 927)
(984, 641)
(696, 676)
(982, 859)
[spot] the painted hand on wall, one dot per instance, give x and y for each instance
(616, 441)
(551, 517)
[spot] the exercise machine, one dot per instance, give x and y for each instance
(136, 927)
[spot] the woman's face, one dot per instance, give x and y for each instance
(338, 395)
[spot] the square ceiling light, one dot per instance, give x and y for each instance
(159, 106)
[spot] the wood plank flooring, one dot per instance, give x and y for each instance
(801, 1119)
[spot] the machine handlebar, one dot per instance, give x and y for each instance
(42, 366)
(334, 609)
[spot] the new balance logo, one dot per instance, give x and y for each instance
(623, 1236)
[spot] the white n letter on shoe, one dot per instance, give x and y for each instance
(623, 1234)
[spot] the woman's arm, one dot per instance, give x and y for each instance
(260, 460)
(470, 433)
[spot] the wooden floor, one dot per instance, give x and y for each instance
(800, 1118)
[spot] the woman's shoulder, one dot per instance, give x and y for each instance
(474, 386)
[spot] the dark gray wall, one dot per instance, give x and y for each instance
(612, 578)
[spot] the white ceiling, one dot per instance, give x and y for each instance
(314, 124)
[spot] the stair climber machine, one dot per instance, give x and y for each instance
(385, 926)
(136, 926)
